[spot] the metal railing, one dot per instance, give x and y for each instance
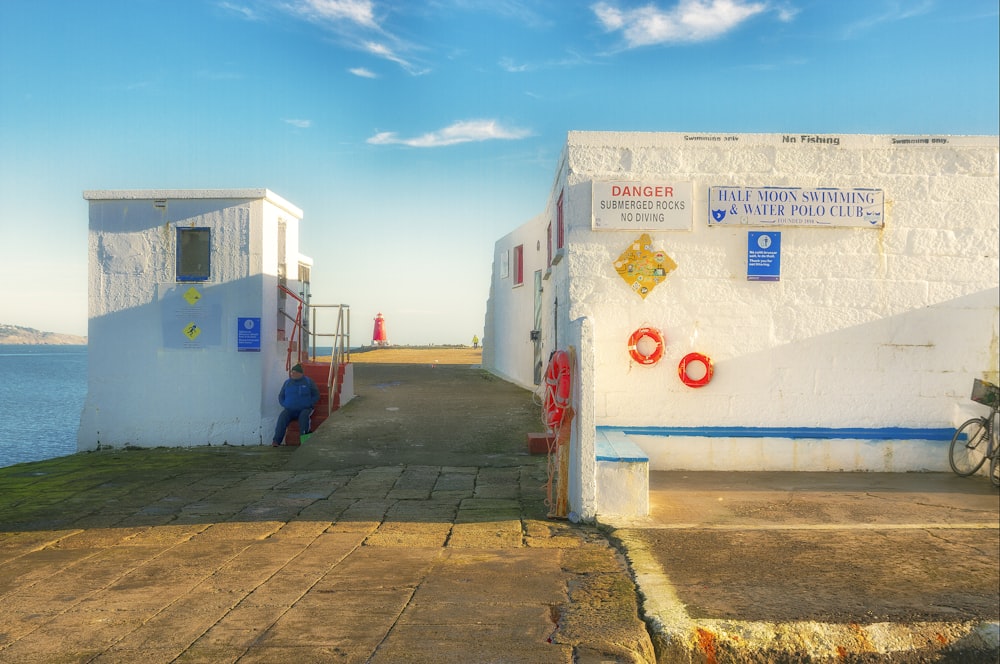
(302, 343)
(340, 352)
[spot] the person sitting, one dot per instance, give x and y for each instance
(297, 397)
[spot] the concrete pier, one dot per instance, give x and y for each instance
(411, 527)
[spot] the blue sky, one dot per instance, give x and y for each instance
(415, 134)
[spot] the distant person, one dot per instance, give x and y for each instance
(297, 397)
(475, 341)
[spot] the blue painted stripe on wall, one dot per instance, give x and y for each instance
(621, 459)
(886, 433)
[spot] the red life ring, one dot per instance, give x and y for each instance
(557, 385)
(695, 357)
(633, 343)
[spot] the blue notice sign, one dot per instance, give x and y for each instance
(764, 256)
(248, 335)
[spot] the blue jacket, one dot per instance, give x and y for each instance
(298, 394)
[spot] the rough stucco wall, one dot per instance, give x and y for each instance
(144, 389)
(866, 328)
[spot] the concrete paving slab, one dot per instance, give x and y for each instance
(380, 568)
(339, 617)
(458, 643)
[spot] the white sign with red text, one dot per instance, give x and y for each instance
(645, 206)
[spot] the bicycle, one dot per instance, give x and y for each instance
(976, 440)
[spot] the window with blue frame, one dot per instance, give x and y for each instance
(194, 254)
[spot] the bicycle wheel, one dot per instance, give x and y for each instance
(995, 468)
(968, 447)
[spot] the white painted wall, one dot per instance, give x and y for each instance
(866, 328)
(507, 346)
(144, 387)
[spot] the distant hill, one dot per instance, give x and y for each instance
(17, 335)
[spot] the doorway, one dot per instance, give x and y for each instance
(536, 328)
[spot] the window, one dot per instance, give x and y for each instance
(194, 254)
(548, 245)
(519, 265)
(560, 234)
(560, 225)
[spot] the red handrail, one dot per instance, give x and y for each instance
(297, 329)
(288, 292)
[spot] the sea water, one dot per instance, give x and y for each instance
(42, 390)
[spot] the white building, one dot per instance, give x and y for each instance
(844, 287)
(188, 344)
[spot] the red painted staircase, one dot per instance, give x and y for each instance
(328, 381)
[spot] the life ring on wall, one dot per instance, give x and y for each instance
(683, 366)
(633, 345)
(557, 385)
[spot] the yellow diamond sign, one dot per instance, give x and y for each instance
(192, 296)
(643, 267)
(191, 331)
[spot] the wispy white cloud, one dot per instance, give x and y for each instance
(688, 21)
(298, 123)
(386, 52)
(468, 131)
(891, 12)
(363, 72)
(354, 24)
(359, 12)
(787, 13)
(512, 66)
(248, 13)
(509, 65)
(523, 11)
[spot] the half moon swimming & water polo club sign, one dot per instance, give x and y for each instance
(796, 206)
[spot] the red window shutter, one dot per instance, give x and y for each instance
(560, 227)
(519, 265)
(548, 245)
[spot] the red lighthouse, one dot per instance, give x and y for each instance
(379, 337)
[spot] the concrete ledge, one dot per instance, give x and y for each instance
(614, 445)
(622, 475)
(823, 449)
